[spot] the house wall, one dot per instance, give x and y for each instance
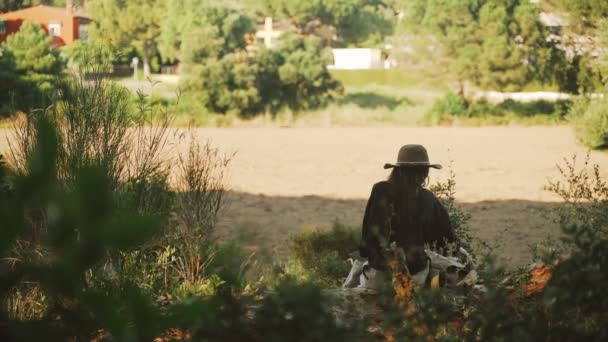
(44, 15)
(356, 59)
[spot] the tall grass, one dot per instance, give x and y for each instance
(98, 125)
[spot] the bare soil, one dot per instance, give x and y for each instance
(285, 180)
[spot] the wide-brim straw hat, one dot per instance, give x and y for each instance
(412, 155)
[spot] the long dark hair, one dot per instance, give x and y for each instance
(407, 183)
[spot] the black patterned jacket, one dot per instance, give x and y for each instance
(382, 224)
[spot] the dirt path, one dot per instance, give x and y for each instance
(286, 180)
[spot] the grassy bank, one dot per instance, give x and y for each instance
(407, 96)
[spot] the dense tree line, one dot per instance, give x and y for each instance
(494, 44)
(499, 45)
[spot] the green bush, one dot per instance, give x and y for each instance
(90, 57)
(293, 76)
(225, 85)
(321, 256)
(446, 192)
(79, 264)
(589, 117)
(450, 105)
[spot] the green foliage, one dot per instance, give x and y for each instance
(30, 72)
(203, 287)
(446, 192)
(90, 57)
(31, 49)
(292, 76)
(500, 46)
(226, 85)
(357, 22)
(450, 108)
(78, 260)
(581, 76)
(299, 312)
(12, 86)
(123, 24)
(206, 26)
(299, 66)
(82, 225)
(451, 104)
(91, 267)
(589, 117)
(584, 14)
(320, 256)
(577, 292)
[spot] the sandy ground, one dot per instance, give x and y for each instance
(284, 180)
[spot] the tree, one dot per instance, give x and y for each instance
(357, 22)
(10, 82)
(495, 44)
(200, 19)
(29, 70)
(584, 14)
(226, 85)
(133, 23)
(31, 50)
(587, 18)
(295, 76)
(88, 56)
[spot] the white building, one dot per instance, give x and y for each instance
(357, 59)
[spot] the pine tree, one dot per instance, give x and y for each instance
(498, 45)
(357, 22)
(123, 24)
(31, 50)
(191, 20)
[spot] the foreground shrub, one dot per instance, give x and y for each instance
(83, 224)
(321, 256)
(300, 312)
(91, 266)
(198, 201)
(589, 117)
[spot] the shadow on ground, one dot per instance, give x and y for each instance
(372, 100)
(264, 224)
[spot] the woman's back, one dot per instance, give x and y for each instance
(401, 210)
